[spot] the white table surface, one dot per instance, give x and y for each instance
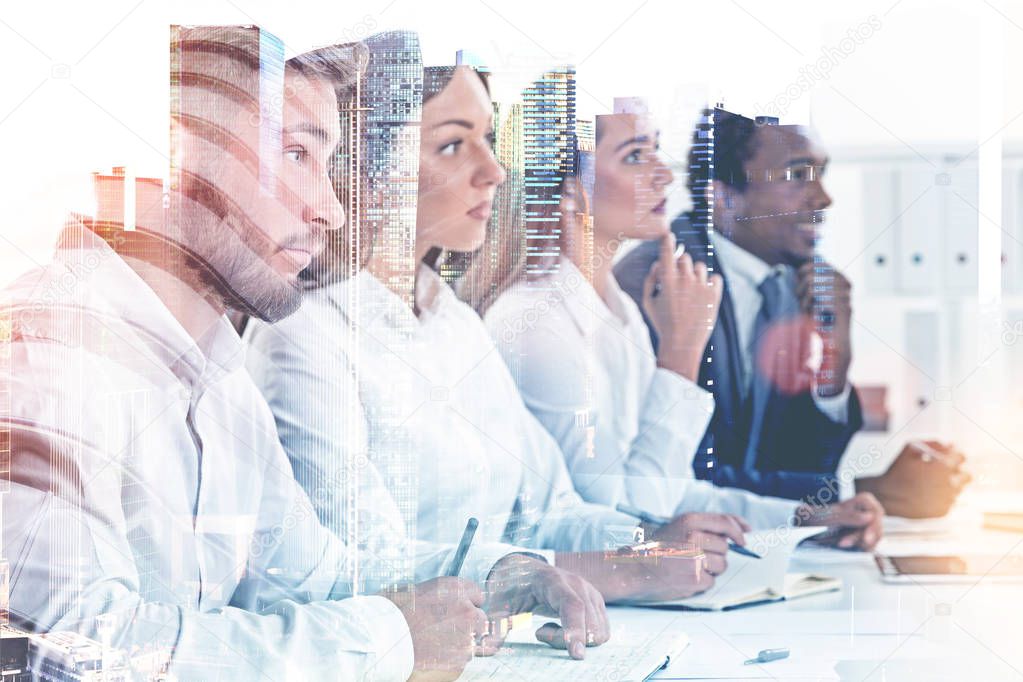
(870, 631)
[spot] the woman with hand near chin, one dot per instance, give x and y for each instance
(628, 420)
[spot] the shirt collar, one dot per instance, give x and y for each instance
(577, 294)
(370, 303)
(736, 262)
(127, 296)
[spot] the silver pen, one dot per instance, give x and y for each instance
(768, 655)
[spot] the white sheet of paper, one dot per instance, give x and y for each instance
(714, 656)
(631, 655)
(812, 622)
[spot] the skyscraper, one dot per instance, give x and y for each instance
(701, 172)
(549, 127)
(701, 169)
(392, 95)
(585, 134)
(348, 177)
(378, 184)
(509, 148)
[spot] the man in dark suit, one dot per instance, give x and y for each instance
(781, 421)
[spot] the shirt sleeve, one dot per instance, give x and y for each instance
(549, 513)
(760, 511)
(313, 394)
(834, 407)
(644, 466)
(76, 566)
(66, 579)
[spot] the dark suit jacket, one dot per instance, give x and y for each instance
(798, 449)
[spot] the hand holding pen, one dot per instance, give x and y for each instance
(444, 616)
(715, 534)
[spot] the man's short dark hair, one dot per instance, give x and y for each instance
(733, 141)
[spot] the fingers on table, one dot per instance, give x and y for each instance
(560, 637)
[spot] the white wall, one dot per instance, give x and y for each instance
(85, 88)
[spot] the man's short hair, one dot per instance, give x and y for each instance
(211, 63)
(734, 144)
(219, 71)
(339, 65)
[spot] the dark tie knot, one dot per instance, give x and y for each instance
(778, 292)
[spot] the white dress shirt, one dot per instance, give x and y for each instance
(444, 422)
(151, 504)
(302, 367)
(744, 273)
(628, 429)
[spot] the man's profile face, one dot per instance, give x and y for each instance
(276, 223)
(781, 211)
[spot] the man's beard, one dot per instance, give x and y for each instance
(245, 280)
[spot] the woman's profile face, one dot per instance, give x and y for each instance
(458, 173)
(630, 179)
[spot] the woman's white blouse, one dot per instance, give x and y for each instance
(443, 420)
(628, 429)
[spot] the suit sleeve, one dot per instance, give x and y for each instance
(792, 485)
(802, 463)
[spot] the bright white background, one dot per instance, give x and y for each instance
(85, 83)
(85, 87)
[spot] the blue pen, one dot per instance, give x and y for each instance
(739, 549)
(663, 521)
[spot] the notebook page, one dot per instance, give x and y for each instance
(631, 655)
(746, 577)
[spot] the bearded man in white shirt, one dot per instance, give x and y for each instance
(151, 506)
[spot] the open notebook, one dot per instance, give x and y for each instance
(631, 655)
(749, 581)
